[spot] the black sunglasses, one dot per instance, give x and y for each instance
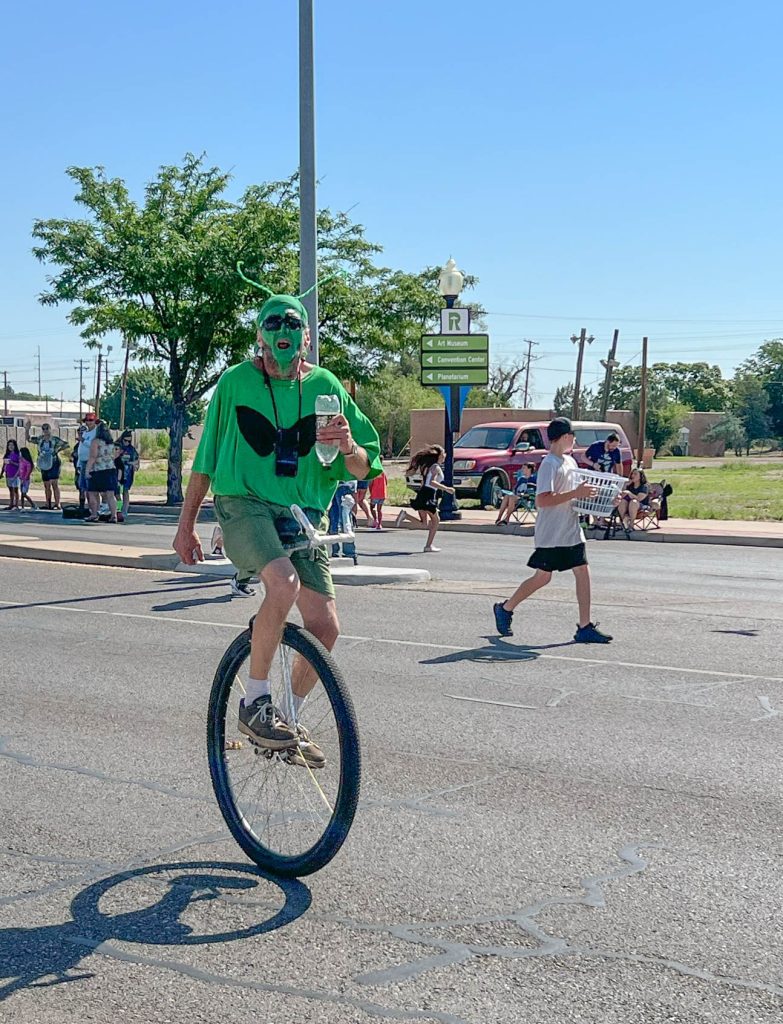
(274, 322)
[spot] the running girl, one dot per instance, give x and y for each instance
(429, 462)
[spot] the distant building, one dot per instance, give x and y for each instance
(35, 413)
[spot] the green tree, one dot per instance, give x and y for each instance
(730, 431)
(388, 400)
(148, 401)
(751, 403)
(698, 385)
(767, 366)
(563, 402)
(664, 420)
(24, 396)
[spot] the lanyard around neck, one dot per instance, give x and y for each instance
(268, 383)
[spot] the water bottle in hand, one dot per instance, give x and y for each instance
(326, 406)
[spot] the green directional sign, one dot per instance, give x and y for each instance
(456, 360)
(440, 377)
(454, 343)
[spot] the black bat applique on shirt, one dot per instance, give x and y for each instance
(260, 433)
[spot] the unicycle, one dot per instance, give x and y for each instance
(288, 817)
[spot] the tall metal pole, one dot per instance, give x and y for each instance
(5, 391)
(307, 205)
(642, 407)
(98, 385)
(609, 365)
(530, 345)
(124, 384)
(80, 366)
(39, 373)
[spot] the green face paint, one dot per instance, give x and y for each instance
(284, 339)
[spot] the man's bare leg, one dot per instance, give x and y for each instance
(281, 586)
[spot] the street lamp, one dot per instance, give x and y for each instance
(450, 282)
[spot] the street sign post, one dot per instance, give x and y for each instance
(454, 361)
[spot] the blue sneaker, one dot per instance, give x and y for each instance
(591, 634)
(503, 619)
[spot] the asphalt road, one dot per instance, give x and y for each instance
(548, 833)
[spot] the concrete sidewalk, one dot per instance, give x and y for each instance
(672, 531)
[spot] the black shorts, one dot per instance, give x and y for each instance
(47, 475)
(426, 500)
(102, 480)
(558, 559)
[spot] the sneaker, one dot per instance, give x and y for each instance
(430, 547)
(264, 724)
(306, 751)
(400, 518)
(503, 619)
(241, 589)
(591, 634)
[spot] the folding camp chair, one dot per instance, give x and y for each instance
(525, 512)
(649, 516)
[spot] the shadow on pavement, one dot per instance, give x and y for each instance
(28, 955)
(498, 649)
(182, 583)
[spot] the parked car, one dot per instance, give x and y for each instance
(488, 455)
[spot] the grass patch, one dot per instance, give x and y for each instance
(734, 490)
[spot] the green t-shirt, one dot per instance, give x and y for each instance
(237, 448)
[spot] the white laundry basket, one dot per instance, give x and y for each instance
(609, 487)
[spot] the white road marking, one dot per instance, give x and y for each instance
(499, 703)
(408, 643)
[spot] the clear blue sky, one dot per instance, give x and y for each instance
(600, 165)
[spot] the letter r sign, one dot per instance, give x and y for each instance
(455, 321)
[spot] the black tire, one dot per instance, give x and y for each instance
(489, 492)
(344, 806)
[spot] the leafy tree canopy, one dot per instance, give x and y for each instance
(148, 402)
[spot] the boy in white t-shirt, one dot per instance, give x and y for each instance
(559, 540)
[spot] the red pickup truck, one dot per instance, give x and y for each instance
(488, 455)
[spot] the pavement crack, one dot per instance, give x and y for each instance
(30, 762)
(372, 1009)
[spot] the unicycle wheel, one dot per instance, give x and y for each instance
(288, 814)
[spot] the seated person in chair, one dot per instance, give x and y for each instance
(633, 497)
(524, 486)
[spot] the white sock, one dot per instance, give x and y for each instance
(256, 688)
(298, 702)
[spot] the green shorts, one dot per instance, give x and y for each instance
(251, 541)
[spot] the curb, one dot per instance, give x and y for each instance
(345, 575)
(113, 555)
(118, 556)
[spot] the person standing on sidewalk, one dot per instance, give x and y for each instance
(26, 467)
(559, 540)
(10, 471)
(83, 454)
(101, 474)
(126, 463)
(49, 465)
(378, 493)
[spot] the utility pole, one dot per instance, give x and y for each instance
(308, 270)
(577, 387)
(98, 385)
(81, 366)
(124, 384)
(5, 391)
(106, 371)
(609, 365)
(39, 373)
(642, 407)
(530, 345)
